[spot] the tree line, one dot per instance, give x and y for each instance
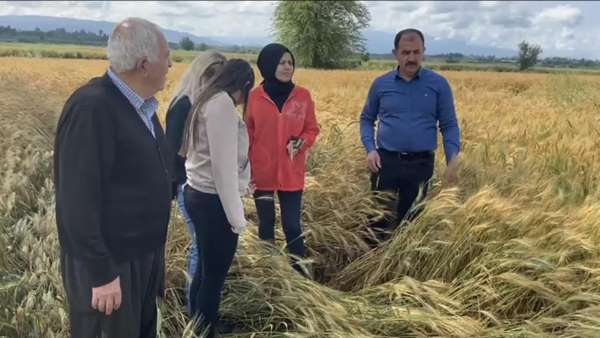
(59, 35)
(186, 43)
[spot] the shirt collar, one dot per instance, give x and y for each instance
(148, 106)
(417, 75)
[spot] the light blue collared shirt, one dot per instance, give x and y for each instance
(408, 114)
(145, 108)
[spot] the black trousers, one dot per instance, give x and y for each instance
(217, 244)
(142, 281)
(407, 176)
(291, 210)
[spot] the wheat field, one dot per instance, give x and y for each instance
(512, 251)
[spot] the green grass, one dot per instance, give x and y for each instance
(49, 50)
(20, 49)
(378, 64)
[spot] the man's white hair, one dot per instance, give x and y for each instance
(131, 40)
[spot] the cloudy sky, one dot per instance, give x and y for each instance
(562, 28)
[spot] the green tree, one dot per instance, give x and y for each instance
(528, 55)
(365, 57)
(186, 43)
(321, 33)
(202, 47)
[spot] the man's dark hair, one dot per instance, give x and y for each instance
(408, 31)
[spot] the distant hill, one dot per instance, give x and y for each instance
(377, 42)
(47, 23)
(382, 42)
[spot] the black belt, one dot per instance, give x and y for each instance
(404, 155)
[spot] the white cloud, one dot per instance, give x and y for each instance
(563, 14)
(495, 23)
(204, 18)
(489, 3)
(486, 23)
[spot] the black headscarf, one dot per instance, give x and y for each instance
(267, 63)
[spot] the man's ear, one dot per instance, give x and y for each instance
(142, 66)
(394, 52)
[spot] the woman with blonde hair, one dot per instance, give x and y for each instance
(193, 82)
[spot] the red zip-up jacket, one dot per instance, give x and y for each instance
(269, 132)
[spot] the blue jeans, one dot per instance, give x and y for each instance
(217, 245)
(193, 260)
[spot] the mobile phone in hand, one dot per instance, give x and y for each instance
(294, 145)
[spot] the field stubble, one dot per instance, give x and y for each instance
(513, 251)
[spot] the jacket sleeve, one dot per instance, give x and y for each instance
(85, 151)
(448, 123)
(175, 123)
(368, 117)
(174, 129)
(222, 123)
(311, 126)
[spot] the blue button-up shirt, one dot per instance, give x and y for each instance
(409, 113)
(145, 108)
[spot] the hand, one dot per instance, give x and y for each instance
(251, 189)
(238, 229)
(374, 161)
(293, 147)
(451, 172)
(107, 298)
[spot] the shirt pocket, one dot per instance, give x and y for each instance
(294, 115)
(425, 101)
(393, 101)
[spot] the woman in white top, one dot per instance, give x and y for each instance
(215, 145)
(193, 82)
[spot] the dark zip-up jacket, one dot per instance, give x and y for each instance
(176, 116)
(112, 180)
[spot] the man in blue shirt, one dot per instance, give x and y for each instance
(409, 104)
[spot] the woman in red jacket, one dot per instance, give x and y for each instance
(282, 127)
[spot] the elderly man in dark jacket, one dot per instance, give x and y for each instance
(113, 189)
